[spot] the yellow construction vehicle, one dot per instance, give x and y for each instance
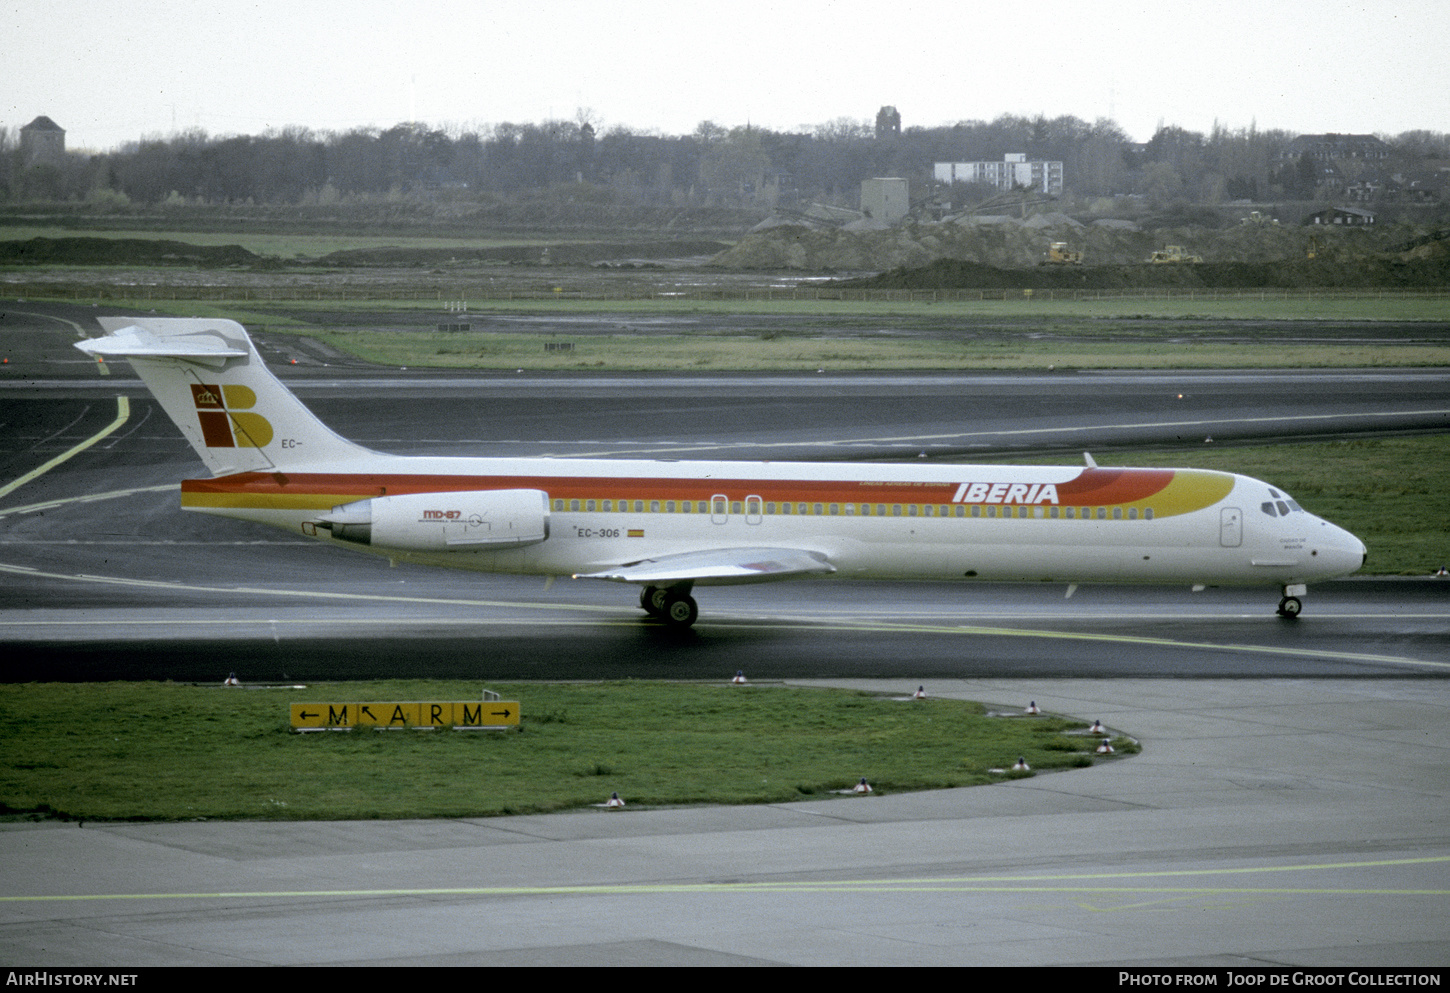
(1058, 254)
(1173, 253)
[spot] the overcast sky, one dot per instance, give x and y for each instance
(110, 72)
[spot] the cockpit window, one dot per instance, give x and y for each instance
(1280, 506)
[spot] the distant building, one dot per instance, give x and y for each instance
(42, 142)
(888, 122)
(1013, 172)
(1332, 147)
(1348, 216)
(884, 199)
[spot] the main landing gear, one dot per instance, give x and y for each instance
(671, 604)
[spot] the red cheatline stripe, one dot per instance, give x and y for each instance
(1092, 486)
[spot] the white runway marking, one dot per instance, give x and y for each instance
(632, 619)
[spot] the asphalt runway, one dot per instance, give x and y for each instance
(106, 578)
(1277, 817)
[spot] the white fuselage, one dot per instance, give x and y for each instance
(940, 522)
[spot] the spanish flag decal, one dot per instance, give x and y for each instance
(225, 417)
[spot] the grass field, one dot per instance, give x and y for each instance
(847, 335)
(1085, 315)
(173, 752)
(793, 352)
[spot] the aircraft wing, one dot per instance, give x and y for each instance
(718, 567)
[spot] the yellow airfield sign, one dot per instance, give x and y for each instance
(405, 714)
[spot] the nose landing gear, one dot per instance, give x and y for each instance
(1291, 605)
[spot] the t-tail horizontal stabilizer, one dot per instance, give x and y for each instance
(208, 377)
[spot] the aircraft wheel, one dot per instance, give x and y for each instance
(681, 610)
(1290, 607)
(651, 598)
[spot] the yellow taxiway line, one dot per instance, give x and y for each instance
(123, 413)
(1102, 882)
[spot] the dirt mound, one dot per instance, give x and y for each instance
(996, 241)
(1362, 273)
(568, 253)
(122, 251)
(1006, 252)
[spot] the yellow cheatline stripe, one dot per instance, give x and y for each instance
(268, 501)
(123, 412)
(981, 884)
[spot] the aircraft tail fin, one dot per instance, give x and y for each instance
(210, 380)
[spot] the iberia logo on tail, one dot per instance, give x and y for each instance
(226, 421)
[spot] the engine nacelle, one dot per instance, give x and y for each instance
(458, 521)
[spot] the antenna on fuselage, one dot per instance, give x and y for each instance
(1088, 458)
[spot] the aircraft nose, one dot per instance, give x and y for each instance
(1340, 551)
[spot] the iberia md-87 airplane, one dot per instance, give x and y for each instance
(671, 526)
